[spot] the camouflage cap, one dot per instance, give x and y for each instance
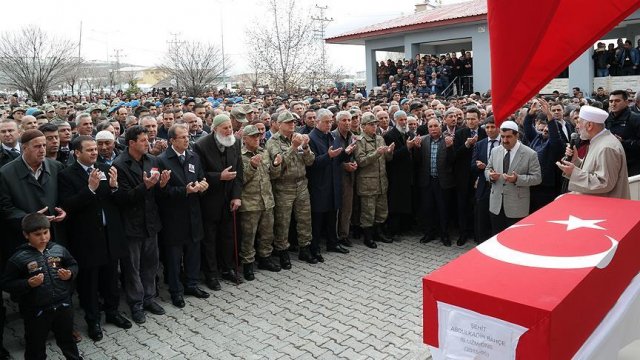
(48, 107)
(250, 130)
(238, 114)
(368, 118)
(285, 116)
(16, 109)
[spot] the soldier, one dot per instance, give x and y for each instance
(371, 180)
(290, 188)
(256, 211)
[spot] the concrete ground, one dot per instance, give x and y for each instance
(363, 305)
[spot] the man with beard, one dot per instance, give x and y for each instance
(290, 189)
(400, 175)
(603, 171)
(625, 126)
(220, 155)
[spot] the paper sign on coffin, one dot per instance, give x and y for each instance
(556, 273)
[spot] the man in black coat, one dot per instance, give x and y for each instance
(181, 217)
(436, 182)
(95, 233)
(625, 125)
(139, 179)
(222, 163)
(479, 160)
(464, 142)
(325, 184)
(400, 175)
(28, 184)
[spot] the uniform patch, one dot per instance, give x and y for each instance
(32, 266)
(53, 261)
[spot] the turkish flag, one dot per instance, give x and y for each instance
(533, 41)
(556, 273)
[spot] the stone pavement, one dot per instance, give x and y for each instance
(363, 305)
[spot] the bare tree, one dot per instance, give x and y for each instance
(284, 44)
(194, 65)
(33, 61)
(74, 76)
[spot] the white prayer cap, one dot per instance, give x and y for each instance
(104, 135)
(593, 114)
(509, 125)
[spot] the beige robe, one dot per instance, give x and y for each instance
(603, 172)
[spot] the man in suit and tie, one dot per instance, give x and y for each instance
(564, 127)
(182, 228)
(95, 233)
(434, 157)
(479, 160)
(464, 142)
(9, 138)
(512, 169)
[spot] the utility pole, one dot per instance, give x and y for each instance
(173, 46)
(319, 33)
(117, 56)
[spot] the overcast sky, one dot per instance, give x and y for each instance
(141, 29)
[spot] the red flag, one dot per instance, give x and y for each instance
(533, 41)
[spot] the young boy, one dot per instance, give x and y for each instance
(39, 276)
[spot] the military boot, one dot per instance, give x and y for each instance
(266, 263)
(285, 262)
(248, 271)
(368, 237)
(305, 255)
(379, 234)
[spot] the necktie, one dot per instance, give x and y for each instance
(15, 150)
(493, 143)
(506, 161)
(181, 158)
(89, 170)
(473, 133)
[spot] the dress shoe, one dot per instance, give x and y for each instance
(285, 262)
(94, 331)
(337, 249)
(305, 255)
(445, 240)
(248, 272)
(461, 240)
(75, 335)
(368, 238)
(266, 263)
(154, 308)
(178, 301)
(213, 284)
(197, 292)
(232, 276)
(118, 320)
(138, 316)
(345, 242)
(318, 257)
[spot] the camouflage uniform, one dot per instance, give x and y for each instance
(371, 180)
(290, 191)
(256, 212)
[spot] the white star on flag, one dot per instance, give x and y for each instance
(577, 223)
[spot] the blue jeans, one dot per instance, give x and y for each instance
(602, 72)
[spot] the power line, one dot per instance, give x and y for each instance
(319, 33)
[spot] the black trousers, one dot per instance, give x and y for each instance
(98, 282)
(182, 255)
(323, 223)
(541, 196)
(465, 204)
(482, 219)
(435, 201)
(501, 221)
(217, 246)
(37, 327)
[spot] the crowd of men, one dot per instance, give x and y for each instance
(213, 187)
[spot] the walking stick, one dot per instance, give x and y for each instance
(235, 246)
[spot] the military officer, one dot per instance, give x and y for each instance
(371, 180)
(256, 211)
(290, 188)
